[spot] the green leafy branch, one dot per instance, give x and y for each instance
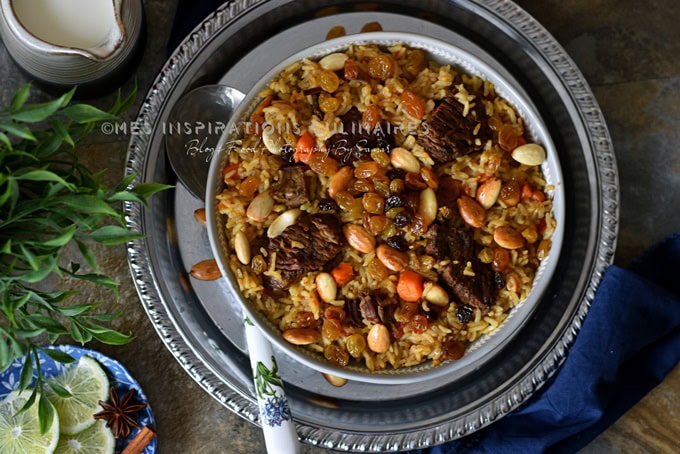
(265, 379)
(49, 200)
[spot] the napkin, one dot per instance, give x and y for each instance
(629, 341)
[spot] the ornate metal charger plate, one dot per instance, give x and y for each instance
(203, 330)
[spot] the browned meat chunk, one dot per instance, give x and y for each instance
(477, 291)
(368, 308)
(355, 143)
(448, 192)
(450, 243)
(447, 134)
(291, 189)
(304, 246)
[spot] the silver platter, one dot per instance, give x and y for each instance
(203, 329)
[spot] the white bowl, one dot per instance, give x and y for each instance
(484, 348)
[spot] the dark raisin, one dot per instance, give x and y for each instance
(395, 173)
(464, 313)
(398, 243)
(499, 280)
(393, 201)
(312, 91)
(401, 220)
(328, 205)
(288, 153)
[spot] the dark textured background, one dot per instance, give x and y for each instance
(628, 51)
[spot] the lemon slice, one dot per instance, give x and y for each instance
(88, 384)
(97, 439)
(20, 434)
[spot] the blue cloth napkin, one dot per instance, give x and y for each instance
(628, 343)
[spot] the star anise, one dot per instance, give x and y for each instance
(119, 413)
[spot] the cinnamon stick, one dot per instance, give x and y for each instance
(143, 438)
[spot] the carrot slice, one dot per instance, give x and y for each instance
(410, 286)
(343, 273)
(304, 147)
(230, 171)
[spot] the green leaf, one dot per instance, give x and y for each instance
(77, 309)
(89, 204)
(29, 402)
(87, 254)
(60, 390)
(111, 337)
(61, 132)
(49, 324)
(58, 355)
(20, 97)
(19, 131)
(76, 333)
(37, 112)
(11, 190)
(113, 234)
(5, 140)
(5, 357)
(66, 97)
(29, 257)
(125, 182)
(45, 175)
(63, 239)
(84, 113)
(26, 376)
(99, 279)
(124, 196)
(146, 190)
(45, 413)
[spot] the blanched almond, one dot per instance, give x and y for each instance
(282, 222)
(206, 270)
(472, 212)
(242, 248)
(530, 154)
(435, 294)
(272, 140)
(260, 207)
(428, 206)
(334, 380)
(333, 62)
(378, 338)
(508, 238)
(487, 193)
(302, 336)
(359, 238)
(403, 159)
(391, 258)
(326, 287)
(340, 180)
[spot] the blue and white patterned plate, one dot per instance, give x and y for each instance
(119, 378)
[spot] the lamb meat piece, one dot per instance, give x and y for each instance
(447, 134)
(450, 243)
(291, 189)
(478, 291)
(369, 308)
(448, 192)
(354, 143)
(304, 246)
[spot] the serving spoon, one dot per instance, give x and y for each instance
(194, 127)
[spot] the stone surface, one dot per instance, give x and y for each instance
(628, 52)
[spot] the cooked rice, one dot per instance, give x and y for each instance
(293, 112)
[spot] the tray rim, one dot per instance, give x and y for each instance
(570, 79)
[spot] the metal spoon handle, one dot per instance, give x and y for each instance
(275, 415)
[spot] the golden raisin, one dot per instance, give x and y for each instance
(328, 103)
(381, 67)
(370, 117)
(331, 329)
(323, 164)
(507, 138)
(366, 169)
(373, 203)
(305, 319)
(336, 32)
(501, 259)
(412, 104)
(371, 27)
(336, 355)
(249, 186)
(351, 69)
(355, 344)
(328, 81)
(419, 324)
(510, 193)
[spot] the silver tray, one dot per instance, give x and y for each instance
(203, 329)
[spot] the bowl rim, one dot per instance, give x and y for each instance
(471, 64)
